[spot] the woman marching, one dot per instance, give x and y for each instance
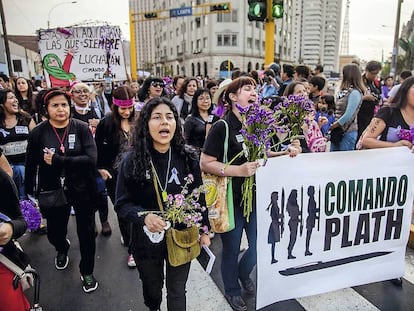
(15, 126)
(157, 163)
(113, 138)
(242, 91)
(63, 148)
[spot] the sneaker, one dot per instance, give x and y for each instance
(89, 283)
(106, 229)
(61, 261)
(131, 261)
(72, 211)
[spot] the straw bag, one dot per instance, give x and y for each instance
(219, 196)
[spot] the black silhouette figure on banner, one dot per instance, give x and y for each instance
(292, 208)
(313, 212)
(276, 226)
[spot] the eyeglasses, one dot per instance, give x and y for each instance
(84, 91)
(208, 98)
(11, 97)
(157, 84)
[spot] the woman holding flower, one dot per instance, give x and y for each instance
(155, 170)
(242, 91)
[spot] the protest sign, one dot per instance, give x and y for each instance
(81, 53)
(332, 220)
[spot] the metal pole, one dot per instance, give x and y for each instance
(6, 39)
(393, 71)
(132, 47)
(269, 35)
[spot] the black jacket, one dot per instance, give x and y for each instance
(11, 208)
(78, 163)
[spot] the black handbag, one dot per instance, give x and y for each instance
(336, 135)
(53, 199)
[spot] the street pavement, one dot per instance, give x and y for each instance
(120, 288)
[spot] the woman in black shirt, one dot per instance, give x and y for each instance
(157, 152)
(65, 147)
(113, 139)
(196, 122)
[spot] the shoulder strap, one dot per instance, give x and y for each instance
(11, 266)
(226, 141)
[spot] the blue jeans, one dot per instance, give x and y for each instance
(347, 143)
(18, 178)
(231, 269)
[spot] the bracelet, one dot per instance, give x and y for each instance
(222, 171)
(203, 230)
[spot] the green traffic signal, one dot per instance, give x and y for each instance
(277, 9)
(257, 11)
(151, 15)
(220, 7)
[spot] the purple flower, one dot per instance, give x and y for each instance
(31, 214)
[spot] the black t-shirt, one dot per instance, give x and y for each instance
(214, 146)
(14, 141)
(394, 121)
(195, 130)
(91, 114)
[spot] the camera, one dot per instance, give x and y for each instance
(267, 79)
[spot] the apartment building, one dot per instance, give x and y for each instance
(213, 44)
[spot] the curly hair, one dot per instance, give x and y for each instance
(139, 159)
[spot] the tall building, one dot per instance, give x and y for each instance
(213, 44)
(321, 29)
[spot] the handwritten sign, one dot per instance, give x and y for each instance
(81, 53)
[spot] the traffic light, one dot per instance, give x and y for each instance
(220, 7)
(257, 10)
(277, 8)
(151, 15)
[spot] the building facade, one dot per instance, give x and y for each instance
(213, 44)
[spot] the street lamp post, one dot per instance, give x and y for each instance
(59, 4)
(393, 71)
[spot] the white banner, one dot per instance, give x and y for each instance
(81, 53)
(332, 220)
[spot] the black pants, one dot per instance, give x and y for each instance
(102, 199)
(57, 228)
(151, 273)
(124, 226)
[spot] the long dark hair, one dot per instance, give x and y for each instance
(23, 118)
(183, 88)
(400, 99)
(195, 112)
(123, 92)
(138, 164)
(19, 95)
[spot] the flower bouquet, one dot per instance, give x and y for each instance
(182, 208)
(404, 134)
(259, 124)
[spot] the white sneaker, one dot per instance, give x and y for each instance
(72, 211)
(131, 261)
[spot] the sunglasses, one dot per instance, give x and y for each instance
(80, 91)
(157, 84)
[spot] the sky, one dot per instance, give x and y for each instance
(371, 24)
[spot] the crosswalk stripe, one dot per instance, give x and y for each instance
(409, 265)
(343, 299)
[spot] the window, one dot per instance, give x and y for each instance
(227, 17)
(198, 44)
(249, 43)
(198, 22)
(257, 44)
(205, 43)
(227, 40)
